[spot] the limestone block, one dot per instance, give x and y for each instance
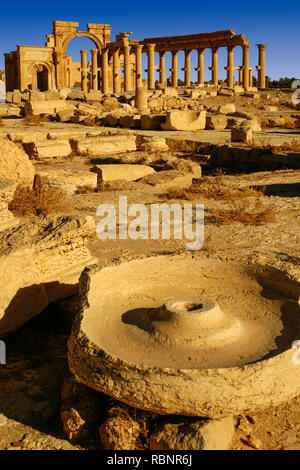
(218, 123)
(48, 149)
(76, 95)
(40, 264)
(227, 109)
(14, 163)
(27, 136)
(65, 115)
(93, 95)
(252, 124)
(52, 95)
(192, 434)
(64, 92)
(35, 95)
(152, 121)
(110, 103)
(170, 91)
(226, 92)
(124, 172)
(153, 144)
(95, 146)
(88, 110)
(184, 121)
(131, 121)
(17, 97)
(36, 108)
(141, 99)
(9, 96)
(242, 135)
(58, 134)
(69, 180)
(4, 107)
(7, 189)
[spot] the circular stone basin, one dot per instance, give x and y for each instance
(188, 335)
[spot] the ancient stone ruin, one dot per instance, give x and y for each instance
(137, 337)
(48, 67)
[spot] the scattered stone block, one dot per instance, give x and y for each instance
(152, 121)
(97, 146)
(153, 144)
(227, 109)
(184, 121)
(192, 434)
(14, 163)
(76, 95)
(242, 135)
(218, 123)
(48, 149)
(124, 172)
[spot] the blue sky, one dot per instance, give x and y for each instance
(27, 23)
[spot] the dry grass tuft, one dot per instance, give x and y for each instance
(39, 201)
(240, 210)
(213, 187)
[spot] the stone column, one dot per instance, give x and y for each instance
(174, 68)
(104, 60)
(127, 69)
(230, 66)
(83, 71)
(162, 68)
(94, 53)
(240, 75)
(250, 77)
(200, 68)
(214, 66)
(246, 48)
(261, 68)
(187, 68)
(151, 67)
(116, 72)
(138, 67)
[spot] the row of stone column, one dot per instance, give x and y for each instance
(245, 71)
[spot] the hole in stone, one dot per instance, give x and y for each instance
(187, 306)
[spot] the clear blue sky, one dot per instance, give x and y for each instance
(27, 23)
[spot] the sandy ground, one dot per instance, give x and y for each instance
(37, 363)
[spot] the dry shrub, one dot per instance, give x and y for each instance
(213, 187)
(39, 201)
(239, 210)
(1, 122)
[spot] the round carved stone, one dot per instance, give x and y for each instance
(184, 334)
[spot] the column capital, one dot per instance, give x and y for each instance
(139, 47)
(150, 45)
(215, 49)
(246, 46)
(261, 46)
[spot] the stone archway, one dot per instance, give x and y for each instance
(64, 32)
(40, 74)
